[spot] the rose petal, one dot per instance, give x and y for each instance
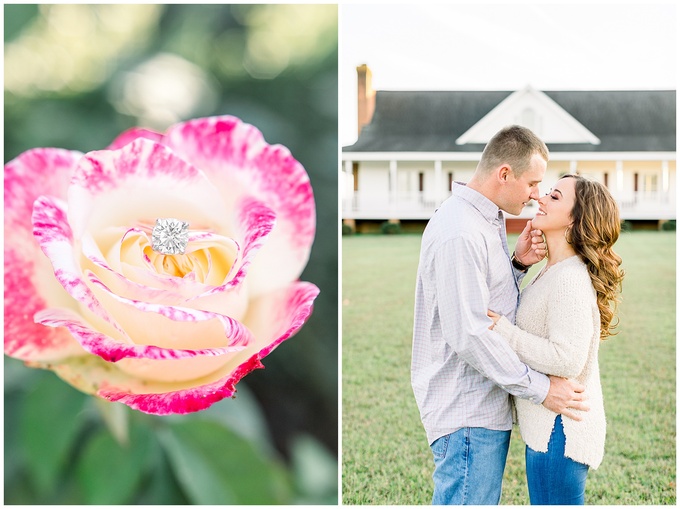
(145, 284)
(233, 330)
(34, 173)
(211, 256)
(294, 305)
(280, 314)
(29, 284)
(121, 284)
(132, 134)
(240, 163)
(53, 233)
(150, 181)
(111, 350)
(24, 339)
(255, 223)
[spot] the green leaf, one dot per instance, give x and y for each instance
(18, 377)
(110, 473)
(316, 471)
(195, 472)
(215, 466)
(51, 418)
(116, 417)
(161, 487)
(243, 415)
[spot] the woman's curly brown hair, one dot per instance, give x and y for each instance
(595, 228)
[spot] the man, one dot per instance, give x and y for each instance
(463, 373)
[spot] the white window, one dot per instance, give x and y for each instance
(529, 118)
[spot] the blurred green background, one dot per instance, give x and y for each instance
(75, 77)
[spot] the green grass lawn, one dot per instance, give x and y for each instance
(385, 455)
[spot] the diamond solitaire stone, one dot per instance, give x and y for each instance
(170, 236)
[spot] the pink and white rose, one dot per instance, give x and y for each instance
(87, 297)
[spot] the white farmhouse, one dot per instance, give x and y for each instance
(412, 145)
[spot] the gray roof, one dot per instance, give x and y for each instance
(430, 121)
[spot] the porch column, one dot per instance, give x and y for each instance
(348, 191)
(665, 177)
(437, 195)
(619, 178)
(393, 187)
(573, 167)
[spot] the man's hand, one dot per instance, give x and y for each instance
(494, 316)
(565, 396)
(531, 247)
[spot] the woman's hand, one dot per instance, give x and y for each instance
(494, 316)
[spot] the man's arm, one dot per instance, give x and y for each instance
(463, 300)
(463, 297)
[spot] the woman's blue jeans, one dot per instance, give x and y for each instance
(469, 466)
(554, 479)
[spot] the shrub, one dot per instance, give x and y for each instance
(626, 226)
(347, 229)
(390, 228)
(668, 225)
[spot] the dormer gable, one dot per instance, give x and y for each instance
(533, 109)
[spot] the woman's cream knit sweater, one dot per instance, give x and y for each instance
(558, 333)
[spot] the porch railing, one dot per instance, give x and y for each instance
(421, 205)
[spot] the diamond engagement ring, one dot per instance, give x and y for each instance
(170, 236)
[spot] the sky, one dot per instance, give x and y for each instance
(505, 47)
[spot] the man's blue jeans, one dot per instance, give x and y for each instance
(554, 479)
(469, 466)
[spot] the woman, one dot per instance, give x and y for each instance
(563, 314)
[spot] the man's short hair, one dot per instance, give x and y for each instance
(515, 146)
